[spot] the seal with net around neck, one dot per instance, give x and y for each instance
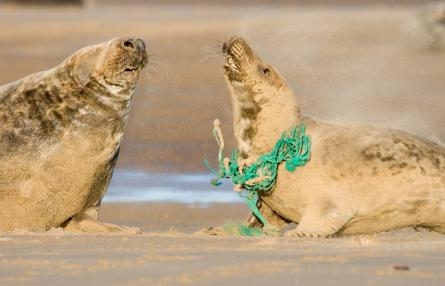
(360, 179)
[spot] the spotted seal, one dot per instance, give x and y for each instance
(360, 179)
(60, 132)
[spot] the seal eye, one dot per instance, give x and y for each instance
(266, 71)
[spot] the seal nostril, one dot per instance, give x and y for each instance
(129, 44)
(224, 47)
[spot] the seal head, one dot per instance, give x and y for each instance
(243, 68)
(116, 64)
(89, 89)
(257, 90)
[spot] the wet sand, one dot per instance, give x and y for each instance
(168, 254)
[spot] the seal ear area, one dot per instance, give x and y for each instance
(83, 63)
(81, 73)
(271, 75)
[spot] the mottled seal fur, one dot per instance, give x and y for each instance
(60, 132)
(360, 179)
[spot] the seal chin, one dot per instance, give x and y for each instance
(232, 69)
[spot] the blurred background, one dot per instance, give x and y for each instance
(374, 62)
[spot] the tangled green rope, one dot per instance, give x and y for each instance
(293, 148)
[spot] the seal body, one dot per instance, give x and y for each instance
(60, 132)
(360, 179)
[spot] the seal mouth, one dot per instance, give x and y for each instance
(138, 63)
(132, 69)
(234, 51)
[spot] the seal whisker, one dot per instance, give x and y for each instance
(213, 47)
(148, 75)
(206, 57)
(156, 60)
(278, 58)
(152, 85)
(212, 51)
(156, 71)
(219, 44)
(151, 60)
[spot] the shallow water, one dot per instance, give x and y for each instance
(189, 188)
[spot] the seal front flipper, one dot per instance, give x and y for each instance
(318, 221)
(440, 229)
(273, 228)
(275, 221)
(86, 221)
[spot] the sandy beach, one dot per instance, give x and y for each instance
(345, 63)
(169, 254)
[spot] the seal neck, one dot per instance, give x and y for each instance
(258, 126)
(89, 103)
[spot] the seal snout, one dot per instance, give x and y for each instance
(137, 49)
(235, 51)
